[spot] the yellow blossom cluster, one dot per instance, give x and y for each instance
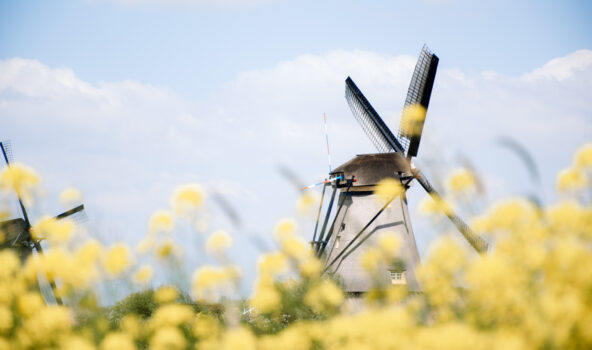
(462, 183)
(20, 180)
(530, 291)
(412, 120)
(578, 177)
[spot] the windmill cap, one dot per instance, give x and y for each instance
(369, 169)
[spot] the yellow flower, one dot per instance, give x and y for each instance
(161, 221)
(583, 157)
(388, 188)
(284, 228)
(266, 298)
(130, 324)
(74, 342)
(308, 203)
(166, 294)
(412, 120)
(20, 179)
(70, 196)
(9, 262)
(371, 258)
(295, 248)
(430, 206)
(118, 341)
(218, 242)
(144, 274)
(29, 303)
(205, 326)
(273, 263)
(6, 321)
(324, 295)
(310, 267)
(389, 243)
(570, 179)
(238, 338)
(168, 338)
(48, 322)
(56, 231)
(90, 252)
(145, 245)
(171, 315)
(187, 198)
(209, 283)
(117, 259)
(168, 249)
(462, 182)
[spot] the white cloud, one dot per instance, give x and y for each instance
(126, 144)
(564, 67)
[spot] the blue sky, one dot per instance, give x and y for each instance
(125, 99)
(193, 48)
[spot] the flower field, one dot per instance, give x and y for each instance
(532, 290)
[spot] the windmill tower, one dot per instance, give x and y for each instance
(17, 232)
(360, 218)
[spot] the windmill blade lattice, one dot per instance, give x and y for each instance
(380, 135)
(7, 151)
(419, 93)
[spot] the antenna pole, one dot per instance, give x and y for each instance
(327, 141)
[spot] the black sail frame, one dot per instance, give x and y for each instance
(419, 92)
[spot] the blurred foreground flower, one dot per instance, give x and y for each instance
(117, 259)
(188, 198)
(56, 231)
(462, 183)
(218, 242)
(161, 221)
(388, 188)
(21, 180)
(70, 196)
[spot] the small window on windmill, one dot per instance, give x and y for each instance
(337, 240)
(397, 277)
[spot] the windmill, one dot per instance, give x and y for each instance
(359, 218)
(17, 232)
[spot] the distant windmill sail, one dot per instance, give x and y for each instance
(417, 101)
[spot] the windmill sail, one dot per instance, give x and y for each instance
(380, 135)
(417, 101)
(386, 142)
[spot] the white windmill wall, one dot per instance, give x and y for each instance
(359, 207)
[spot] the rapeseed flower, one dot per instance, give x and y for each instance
(166, 294)
(218, 242)
(70, 196)
(117, 259)
(21, 180)
(118, 341)
(143, 274)
(188, 198)
(387, 189)
(161, 221)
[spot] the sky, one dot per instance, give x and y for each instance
(126, 99)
